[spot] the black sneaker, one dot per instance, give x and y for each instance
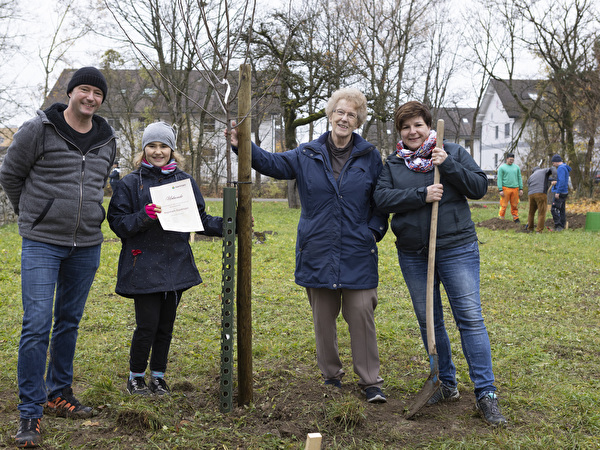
(66, 405)
(333, 382)
(374, 395)
(516, 220)
(159, 386)
(490, 410)
(29, 434)
(137, 386)
(444, 394)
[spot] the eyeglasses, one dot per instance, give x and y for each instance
(342, 113)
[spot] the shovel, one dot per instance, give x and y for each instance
(433, 382)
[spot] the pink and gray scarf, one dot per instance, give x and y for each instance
(418, 160)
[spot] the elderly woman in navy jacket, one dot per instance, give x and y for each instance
(336, 246)
(406, 189)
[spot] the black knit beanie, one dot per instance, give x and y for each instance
(90, 76)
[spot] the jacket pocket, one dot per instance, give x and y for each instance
(43, 214)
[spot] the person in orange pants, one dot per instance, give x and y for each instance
(510, 187)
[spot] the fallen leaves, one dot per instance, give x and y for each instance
(583, 206)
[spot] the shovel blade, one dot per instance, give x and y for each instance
(432, 384)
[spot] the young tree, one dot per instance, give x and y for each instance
(187, 48)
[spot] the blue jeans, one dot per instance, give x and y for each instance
(458, 270)
(46, 268)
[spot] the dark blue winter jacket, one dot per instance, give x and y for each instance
(152, 259)
(403, 192)
(339, 227)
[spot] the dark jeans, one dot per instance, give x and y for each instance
(154, 317)
(457, 269)
(558, 210)
(55, 283)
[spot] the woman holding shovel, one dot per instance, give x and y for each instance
(406, 188)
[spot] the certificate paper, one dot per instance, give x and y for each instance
(179, 208)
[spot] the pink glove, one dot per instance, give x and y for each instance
(151, 210)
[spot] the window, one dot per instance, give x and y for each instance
(209, 125)
(209, 152)
(506, 130)
(114, 123)
(497, 131)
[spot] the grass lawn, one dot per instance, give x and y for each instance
(541, 301)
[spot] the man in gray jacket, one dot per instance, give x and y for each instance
(537, 185)
(53, 174)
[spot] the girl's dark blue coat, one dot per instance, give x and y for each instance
(152, 259)
(339, 226)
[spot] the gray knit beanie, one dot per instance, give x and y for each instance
(159, 132)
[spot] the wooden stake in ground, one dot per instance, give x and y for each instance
(313, 441)
(433, 382)
(244, 227)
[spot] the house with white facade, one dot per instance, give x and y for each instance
(458, 126)
(501, 118)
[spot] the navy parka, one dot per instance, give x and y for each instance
(153, 260)
(339, 226)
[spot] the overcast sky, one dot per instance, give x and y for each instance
(25, 71)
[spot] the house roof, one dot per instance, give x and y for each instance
(133, 90)
(458, 122)
(526, 91)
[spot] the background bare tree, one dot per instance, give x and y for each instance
(387, 37)
(288, 48)
(487, 40)
(9, 45)
(130, 91)
(564, 35)
(70, 24)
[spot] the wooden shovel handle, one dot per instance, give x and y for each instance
(432, 245)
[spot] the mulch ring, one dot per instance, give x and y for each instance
(574, 221)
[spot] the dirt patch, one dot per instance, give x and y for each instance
(574, 221)
(285, 407)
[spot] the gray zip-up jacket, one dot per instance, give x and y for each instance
(54, 187)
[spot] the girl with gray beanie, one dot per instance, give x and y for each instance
(155, 266)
